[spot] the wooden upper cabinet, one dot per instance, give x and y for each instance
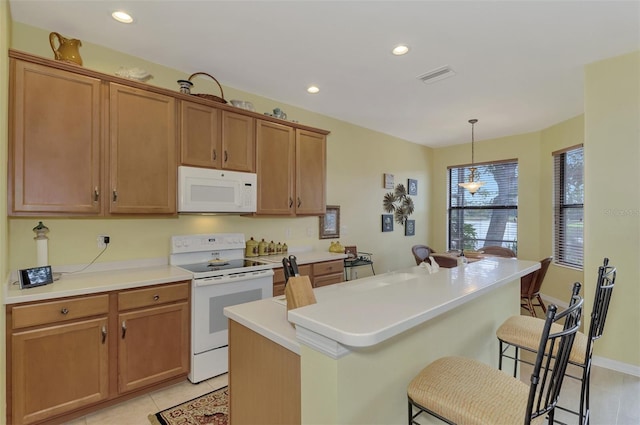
(142, 151)
(238, 142)
(200, 135)
(275, 158)
(55, 134)
(212, 138)
(311, 158)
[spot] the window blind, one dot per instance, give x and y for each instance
(490, 217)
(568, 208)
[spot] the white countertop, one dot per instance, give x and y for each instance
(367, 311)
(94, 282)
(304, 257)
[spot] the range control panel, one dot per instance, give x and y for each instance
(207, 242)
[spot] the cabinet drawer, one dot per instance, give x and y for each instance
(153, 296)
(58, 311)
(328, 279)
(328, 267)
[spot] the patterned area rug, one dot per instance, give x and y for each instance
(212, 408)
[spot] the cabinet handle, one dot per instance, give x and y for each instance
(96, 194)
(104, 334)
(156, 297)
(299, 202)
(115, 195)
(226, 156)
(64, 311)
(290, 202)
(215, 155)
(124, 328)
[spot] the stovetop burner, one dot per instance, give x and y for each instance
(218, 265)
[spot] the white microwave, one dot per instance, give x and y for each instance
(205, 190)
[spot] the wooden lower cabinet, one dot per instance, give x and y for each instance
(158, 332)
(58, 368)
(69, 356)
(321, 274)
(328, 273)
(264, 380)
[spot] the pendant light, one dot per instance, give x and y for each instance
(472, 185)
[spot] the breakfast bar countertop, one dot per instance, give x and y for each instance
(365, 312)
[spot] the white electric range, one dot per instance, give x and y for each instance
(221, 277)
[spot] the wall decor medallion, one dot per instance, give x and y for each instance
(387, 222)
(399, 203)
(410, 228)
(412, 187)
(388, 181)
(330, 223)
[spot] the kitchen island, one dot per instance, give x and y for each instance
(351, 355)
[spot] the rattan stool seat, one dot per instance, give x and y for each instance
(525, 331)
(466, 391)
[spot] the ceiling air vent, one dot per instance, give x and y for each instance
(437, 75)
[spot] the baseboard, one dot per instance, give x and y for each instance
(597, 360)
(616, 365)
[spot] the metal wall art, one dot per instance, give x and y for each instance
(399, 203)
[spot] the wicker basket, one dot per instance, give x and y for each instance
(209, 96)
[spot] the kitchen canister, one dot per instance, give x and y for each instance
(263, 247)
(251, 249)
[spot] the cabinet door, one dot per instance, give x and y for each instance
(275, 156)
(238, 142)
(310, 173)
(143, 168)
(200, 135)
(153, 345)
(58, 369)
(55, 134)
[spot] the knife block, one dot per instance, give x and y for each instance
(299, 292)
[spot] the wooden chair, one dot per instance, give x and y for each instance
(499, 251)
(421, 253)
(530, 288)
(458, 390)
(521, 332)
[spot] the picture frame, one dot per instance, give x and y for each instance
(351, 251)
(412, 187)
(387, 222)
(410, 228)
(329, 225)
(388, 181)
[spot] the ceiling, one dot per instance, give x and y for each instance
(518, 64)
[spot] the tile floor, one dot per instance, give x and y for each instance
(136, 411)
(615, 400)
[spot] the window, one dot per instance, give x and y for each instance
(568, 206)
(490, 217)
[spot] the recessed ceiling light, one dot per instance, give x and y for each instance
(121, 16)
(313, 89)
(400, 50)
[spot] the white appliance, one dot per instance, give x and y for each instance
(202, 190)
(221, 277)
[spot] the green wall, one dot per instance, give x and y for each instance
(612, 197)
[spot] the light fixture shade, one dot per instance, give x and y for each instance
(472, 185)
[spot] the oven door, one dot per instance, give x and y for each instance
(212, 295)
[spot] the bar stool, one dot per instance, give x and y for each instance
(458, 390)
(521, 332)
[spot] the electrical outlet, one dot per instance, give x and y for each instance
(103, 241)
